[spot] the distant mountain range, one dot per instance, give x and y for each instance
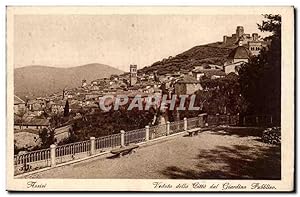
(34, 81)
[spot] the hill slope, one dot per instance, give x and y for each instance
(213, 53)
(42, 80)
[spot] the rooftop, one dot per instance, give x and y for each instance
(239, 52)
(187, 79)
(18, 100)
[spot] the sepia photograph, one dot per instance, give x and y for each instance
(150, 98)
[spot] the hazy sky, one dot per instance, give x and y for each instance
(117, 40)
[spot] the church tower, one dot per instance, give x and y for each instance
(133, 74)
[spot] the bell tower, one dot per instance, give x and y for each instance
(133, 74)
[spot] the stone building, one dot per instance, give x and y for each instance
(19, 104)
(255, 46)
(187, 86)
(236, 58)
(209, 73)
(83, 83)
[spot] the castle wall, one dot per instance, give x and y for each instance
(231, 40)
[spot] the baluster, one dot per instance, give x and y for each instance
(38, 156)
(21, 159)
(57, 151)
(71, 150)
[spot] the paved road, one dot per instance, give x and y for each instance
(210, 155)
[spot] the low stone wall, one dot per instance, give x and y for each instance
(75, 156)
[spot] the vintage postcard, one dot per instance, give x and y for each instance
(195, 99)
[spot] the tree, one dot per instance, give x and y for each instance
(220, 96)
(16, 150)
(21, 114)
(47, 137)
(260, 79)
(66, 109)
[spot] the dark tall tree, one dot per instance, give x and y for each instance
(66, 109)
(47, 137)
(260, 79)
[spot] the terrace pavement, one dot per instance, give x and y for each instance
(220, 154)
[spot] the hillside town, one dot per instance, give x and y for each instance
(31, 116)
(165, 104)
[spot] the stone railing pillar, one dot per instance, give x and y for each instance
(52, 155)
(168, 128)
(200, 120)
(93, 147)
(122, 138)
(185, 124)
(147, 133)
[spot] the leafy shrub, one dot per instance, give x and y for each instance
(272, 136)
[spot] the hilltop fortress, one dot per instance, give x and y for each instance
(254, 43)
(240, 34)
